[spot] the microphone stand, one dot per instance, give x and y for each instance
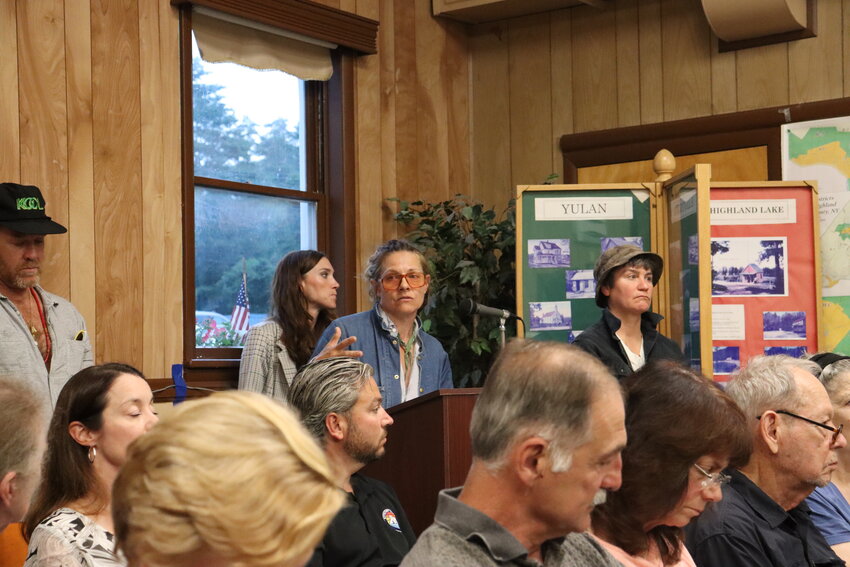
(502, 331)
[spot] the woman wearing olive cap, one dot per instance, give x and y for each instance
(625, 338)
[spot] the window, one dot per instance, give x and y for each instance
(247, 129)
(266, 157)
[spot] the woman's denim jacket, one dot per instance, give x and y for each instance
(381, 351)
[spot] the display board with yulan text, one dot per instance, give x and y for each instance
(561, 231)
(742, 263)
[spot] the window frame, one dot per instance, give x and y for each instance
(330, 172)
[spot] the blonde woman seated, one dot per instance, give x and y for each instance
(100, 411)
(682, 432)
(232, 479)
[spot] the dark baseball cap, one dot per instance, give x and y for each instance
(619, 256)
(22, 210)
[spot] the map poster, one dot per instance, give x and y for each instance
(820, 150)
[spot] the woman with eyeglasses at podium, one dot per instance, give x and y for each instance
(407, 361)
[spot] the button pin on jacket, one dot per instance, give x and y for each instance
(390, 519)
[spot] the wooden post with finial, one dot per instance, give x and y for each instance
(664, 165)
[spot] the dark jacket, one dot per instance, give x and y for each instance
(371, 531)
(748, 528)
(601, 341)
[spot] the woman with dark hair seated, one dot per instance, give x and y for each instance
(100, 411)
(303, 304)
(682, 432)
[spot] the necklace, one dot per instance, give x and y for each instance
(39, 335)
(407, 348)
(32, 319)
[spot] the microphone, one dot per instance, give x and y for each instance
(469, 307)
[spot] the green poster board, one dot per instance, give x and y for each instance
(561, 231)
(686, 206)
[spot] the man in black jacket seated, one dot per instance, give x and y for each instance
(340, 404)
(763, 519)
(625, 338)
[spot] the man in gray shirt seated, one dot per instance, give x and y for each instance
(547, 432)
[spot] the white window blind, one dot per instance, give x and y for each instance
(222, 37)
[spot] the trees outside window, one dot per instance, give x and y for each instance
(251, 199)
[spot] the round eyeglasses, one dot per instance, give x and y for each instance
(712, 479)
(393, 281)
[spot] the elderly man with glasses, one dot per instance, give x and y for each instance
(762, 519)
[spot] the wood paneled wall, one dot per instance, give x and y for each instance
(89, 102)
(537, 78)
(90, 107)
(412, 101)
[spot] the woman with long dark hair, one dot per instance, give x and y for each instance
(100, 411)
(682, 432)
(303, 300)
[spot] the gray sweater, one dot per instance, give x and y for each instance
(462, 536)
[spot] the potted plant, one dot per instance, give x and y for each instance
(471, 251)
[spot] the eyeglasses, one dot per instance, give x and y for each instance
(712, 479)
(836, 431)
(393, 281)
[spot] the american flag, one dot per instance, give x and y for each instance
(239, 318)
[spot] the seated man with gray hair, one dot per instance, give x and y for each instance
(762, 519)
(23, 437)
(340, 404)
(547, 433)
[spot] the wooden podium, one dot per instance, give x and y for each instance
(428, 449)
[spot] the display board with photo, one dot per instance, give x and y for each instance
(784, 325)
(561, 232)
(765, 284)
(549, 253)
(581, 284)
(550, 316)
(726, 359)
(792, 351)
(748, 266)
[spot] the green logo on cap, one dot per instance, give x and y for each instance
(29, 204)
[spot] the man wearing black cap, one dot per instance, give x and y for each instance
(43, 337)
(625, 338)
